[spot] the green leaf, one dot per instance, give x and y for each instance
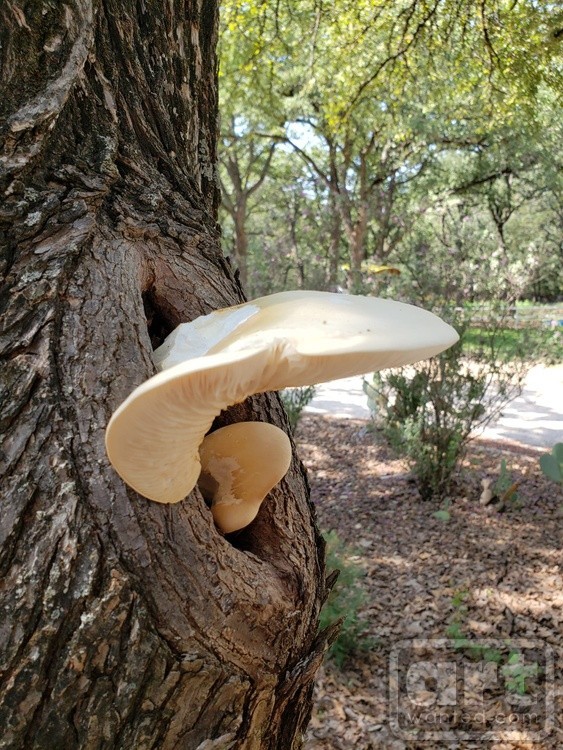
(442, 515)
(551, 467)
(558, 453)
(492, 655)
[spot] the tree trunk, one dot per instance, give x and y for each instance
(125, 623)
(335, 245)
(357, 255)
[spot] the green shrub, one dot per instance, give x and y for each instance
(537, 344)
(428, 412)
(344, 602)
(295, 400)
(552, 464)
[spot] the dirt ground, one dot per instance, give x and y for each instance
(465, 613)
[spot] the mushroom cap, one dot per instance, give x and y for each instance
(330, 333)
(288, 339)
(240, 464)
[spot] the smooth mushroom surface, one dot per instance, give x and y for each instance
(240, 464)
(288, 339)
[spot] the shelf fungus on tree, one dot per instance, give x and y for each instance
(156, 438)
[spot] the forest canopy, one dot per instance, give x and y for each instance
(362, 142)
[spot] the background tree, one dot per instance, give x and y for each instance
(427, 83)
(124, 623)
(246, 160)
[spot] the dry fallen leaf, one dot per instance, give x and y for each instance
(505, 570)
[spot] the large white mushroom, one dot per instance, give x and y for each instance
(288, 339)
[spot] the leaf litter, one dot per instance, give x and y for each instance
(486, 585)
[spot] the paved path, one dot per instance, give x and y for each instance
(535, 418)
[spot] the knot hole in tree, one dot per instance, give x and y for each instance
(161, 317)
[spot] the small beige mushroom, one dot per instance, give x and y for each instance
(240, 464)
(287, 339)
(487, 494)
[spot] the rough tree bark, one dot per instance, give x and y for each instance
(124, 623)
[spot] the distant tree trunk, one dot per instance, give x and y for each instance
(356, 233)
(241, 242)
(382, 244)
(238, 189)
(125, 623)
(335, 245)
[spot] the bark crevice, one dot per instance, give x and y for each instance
(161, 320)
